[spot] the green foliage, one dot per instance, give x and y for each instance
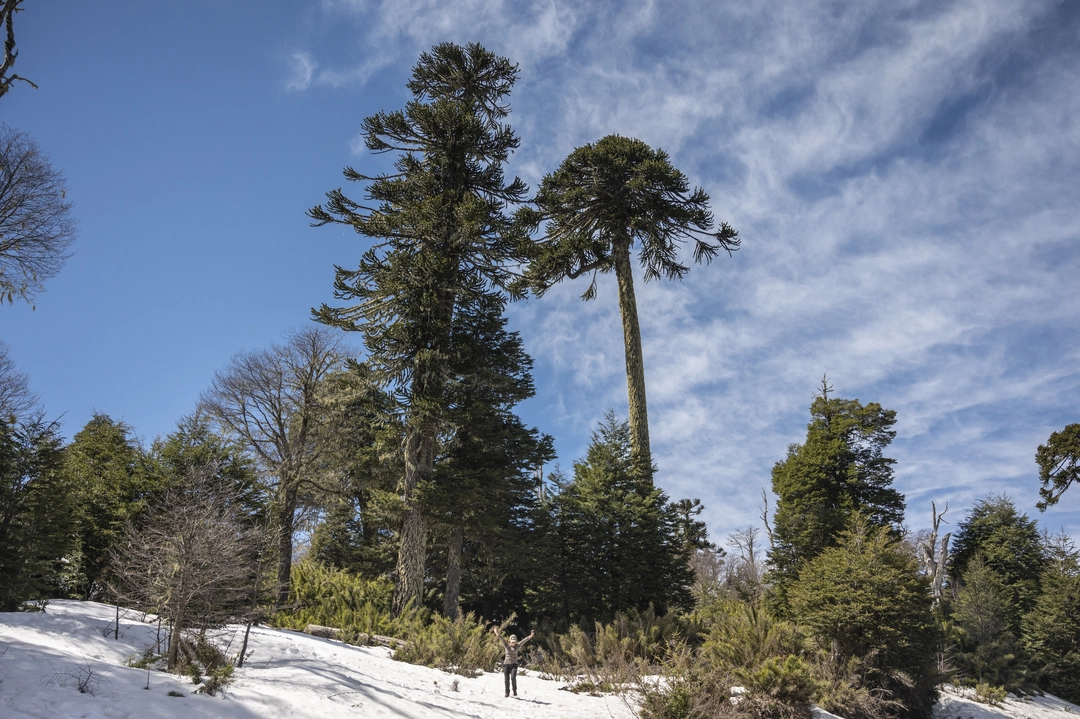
(483, 492)
(743, 638)
(35, 510)
(645, 636)
(199, 656)
(441, 240)
(617, 543)
(195, 446)
(463, 645)
(841, 469)
(336, 598)
(986, 649)
(144, 660)
(843, 688)
(619, 190)
(361, 436)
(990, 694)
(1009, 544)
(112, 478)
(1051, 630)
(1059, 465)
(865, 599)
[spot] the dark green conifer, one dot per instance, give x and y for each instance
(839, 470)
(35, 511)
(864, 599)
(618, 546)
(1009, 544)
(112, 477)
(1051, 630)
(440, 239)
(483, 495)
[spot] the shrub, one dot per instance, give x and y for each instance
(990, 694)
(463, 646)
(337, 598)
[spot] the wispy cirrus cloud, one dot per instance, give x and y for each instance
(903, 174)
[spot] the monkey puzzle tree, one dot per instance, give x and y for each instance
(604, 198)
(440, 237)
(1059, 465)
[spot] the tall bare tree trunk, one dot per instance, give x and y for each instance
(174, 641)
(419, 459)
(286, 517)
(452, 600)
(635, 362)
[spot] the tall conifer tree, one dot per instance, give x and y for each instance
(841, 469)
(605, 198)
(440, 238)
(484, 490)
(111, 477)
(618, 543)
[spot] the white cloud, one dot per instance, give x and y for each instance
(302, 68)
(907, 206)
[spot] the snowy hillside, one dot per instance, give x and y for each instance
(45, 656)
(289, 675)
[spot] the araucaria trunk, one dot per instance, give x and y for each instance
(635, 363)
(419, 459)
(451, 602)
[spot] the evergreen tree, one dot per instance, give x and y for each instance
(618, 546)
(987, 650)
(1051, 630)
(864, 599)
(195, 446)
(604, 198)
(361, 435)
(441, 240)
(483, 494)
(841, 469)
(1059, 465)
(35, 511)
(111, 477)
(1009, 544)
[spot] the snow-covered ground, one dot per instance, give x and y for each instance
(44, 656)
(288, 675)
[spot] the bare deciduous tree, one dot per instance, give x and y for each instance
(8, 8)
(36, 228)
(192, 558)
(270, 399)
(16, 399)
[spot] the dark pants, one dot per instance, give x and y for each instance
(510, 675)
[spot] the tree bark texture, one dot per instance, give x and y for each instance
(635, 362)
(286, 516)
(174, 641)
(419, 459)
(452, 600)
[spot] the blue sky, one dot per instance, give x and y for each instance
(904, 175)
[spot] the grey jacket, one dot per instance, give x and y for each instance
(512, 651)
